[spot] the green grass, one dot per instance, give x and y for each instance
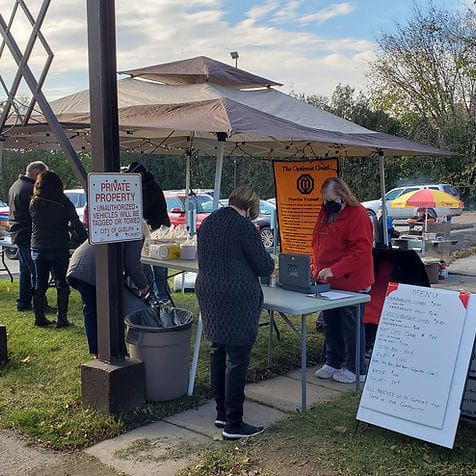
(40, 385)
(323, 441)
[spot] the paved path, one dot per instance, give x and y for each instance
(18, 457)
(164, 447)
(464, 266)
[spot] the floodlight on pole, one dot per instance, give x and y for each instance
(234, 55)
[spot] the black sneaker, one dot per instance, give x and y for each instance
(24, 308)
(241, 431)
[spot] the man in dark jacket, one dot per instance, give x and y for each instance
(19, 197)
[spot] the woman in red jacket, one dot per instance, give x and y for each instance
(342, 255)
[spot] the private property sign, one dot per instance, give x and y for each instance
(114, 207)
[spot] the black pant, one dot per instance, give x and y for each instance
(50, 261)
(228, 365)
(340, 328)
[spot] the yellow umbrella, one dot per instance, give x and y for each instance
(427, 198)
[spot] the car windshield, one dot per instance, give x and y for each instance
(266, 208)
(78, 199)
(393, 194)
(451, 190)
(202, 203)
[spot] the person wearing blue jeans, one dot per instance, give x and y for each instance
(161, 283)
(81, 276)
(88, 298)
(27, 278)
(19, 197)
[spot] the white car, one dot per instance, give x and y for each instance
(373, 206)
(78, 198)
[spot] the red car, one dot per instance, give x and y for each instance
(203, 203)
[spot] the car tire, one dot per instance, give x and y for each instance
(11, 253)
(371, 214)
(267, 237)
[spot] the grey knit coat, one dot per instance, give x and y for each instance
(231, 257)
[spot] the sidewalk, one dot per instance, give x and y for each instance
(164, 447)
(464, 266)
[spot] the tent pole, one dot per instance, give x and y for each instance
(187, 191)
(381, 163)
(2, 180)
(218, 173)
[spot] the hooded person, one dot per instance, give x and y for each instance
(155, 215)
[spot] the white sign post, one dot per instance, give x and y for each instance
(114, 207)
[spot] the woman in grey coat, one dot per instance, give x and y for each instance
(231, 257)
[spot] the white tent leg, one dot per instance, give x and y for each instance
(381, 163)
(188, 221)
(218, 174)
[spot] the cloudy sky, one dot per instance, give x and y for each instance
(310, 45)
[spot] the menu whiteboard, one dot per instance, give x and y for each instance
(420, 362)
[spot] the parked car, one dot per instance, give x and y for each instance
(263, 222)
(4, 213)
(373, 206)
(203, 203)
(78, 198)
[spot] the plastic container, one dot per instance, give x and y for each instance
(163, 343)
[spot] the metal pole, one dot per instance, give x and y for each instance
(106, 158)
(218, 173)
(3, 188)
(381, 164)
(235, 174)
(358, 324)
(188, 215)
(45, 107)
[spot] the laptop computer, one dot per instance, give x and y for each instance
(295, 274)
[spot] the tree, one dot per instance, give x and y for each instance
(425, 74)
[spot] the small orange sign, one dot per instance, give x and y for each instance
(298, 200)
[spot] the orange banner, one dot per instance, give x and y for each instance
(298, 200)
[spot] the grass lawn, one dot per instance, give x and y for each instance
(40, 385)
(322, 441)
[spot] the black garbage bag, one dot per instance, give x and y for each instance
(160, 320)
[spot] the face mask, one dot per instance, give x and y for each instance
(333, 206)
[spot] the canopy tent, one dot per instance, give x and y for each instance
(218, 110)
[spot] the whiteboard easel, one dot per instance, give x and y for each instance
(420, 362)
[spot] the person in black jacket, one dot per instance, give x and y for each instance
(19, 197)
(52, 213)
(231, 258)
(155, 215)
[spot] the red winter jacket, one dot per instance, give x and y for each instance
(344, 246)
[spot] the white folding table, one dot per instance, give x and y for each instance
(280, 301)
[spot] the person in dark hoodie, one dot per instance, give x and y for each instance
(155, 215)
(19, 197)
(52, 214)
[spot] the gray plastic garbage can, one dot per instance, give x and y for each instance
(164, 347)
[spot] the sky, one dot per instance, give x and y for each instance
(309, 45)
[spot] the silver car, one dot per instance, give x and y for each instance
(373, 206)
